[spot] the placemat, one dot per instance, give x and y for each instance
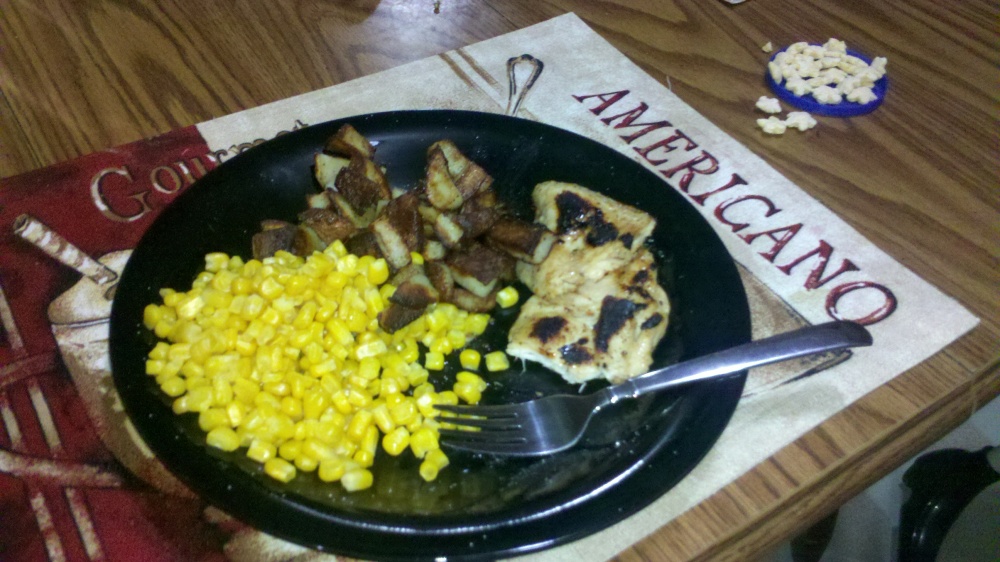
(76, 483)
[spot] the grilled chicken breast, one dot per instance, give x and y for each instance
(597, 309)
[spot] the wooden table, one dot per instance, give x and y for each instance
(83, 76)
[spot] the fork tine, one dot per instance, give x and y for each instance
(482, 423)
(501, 410)
(494, 444)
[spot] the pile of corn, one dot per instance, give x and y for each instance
(284, 356)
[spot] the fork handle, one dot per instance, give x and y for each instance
(810, 340)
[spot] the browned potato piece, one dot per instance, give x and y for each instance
(441, 278)
(329, 226)
(347, 141)
(326, 168)
(320, 200)
(477, 268)
(468, 176)
(396, 316)
(448, 231)
(523, 240)
(475, 222)
(416, 292)
(485, 198)
(275, 235)
(406, 273)
(441, 189)
(470, 302)
(355, 184)
(398, 230)
(363, 243)
(360, 220)
(307, 241)
(433, 250)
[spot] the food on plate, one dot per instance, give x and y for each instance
(284, 357)
(314, 355)
(448, 241)
(597, 310)
(318, 349)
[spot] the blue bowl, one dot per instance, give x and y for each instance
(843, 109)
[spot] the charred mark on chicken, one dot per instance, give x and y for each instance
(575, 354)
(614, 314)
(547, 328)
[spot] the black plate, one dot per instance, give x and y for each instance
(479, 508)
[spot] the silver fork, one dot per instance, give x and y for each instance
(554, 423)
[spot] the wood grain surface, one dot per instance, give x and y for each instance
(920, 177)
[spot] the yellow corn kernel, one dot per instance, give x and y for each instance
(189, 306)
(476, 324)
(261, 451)
(359, 398)
(159, 351)
(236, 411)
(423, 440)
(433, 361)
(410, 352)
(333, 469)
(456, 338)
(507, 297)
(212, 418)
(297, 285)
(223, 438)
(363, 457)
(405, 412)
(173, 387)
(446, 397)
(416, 258)
(289, 450)
(279, 469)
(369, 442)
(306, 463)
(345, 448)
(199, 398)
(216, 261)
(245, 390)
(497, 361)
(336, 249)
(359, 424)
(291, 407)
(469, 392)
(356, 479)
(241, 286)
(425, 404)
(440, 345)
(313, 404)
(396, 441)
(378, 272)
(432, 464)
(151, 315)
(370, 349)
(471, 378)
(382, 418)
(317, 449)
(154, 366)
(470, 359)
